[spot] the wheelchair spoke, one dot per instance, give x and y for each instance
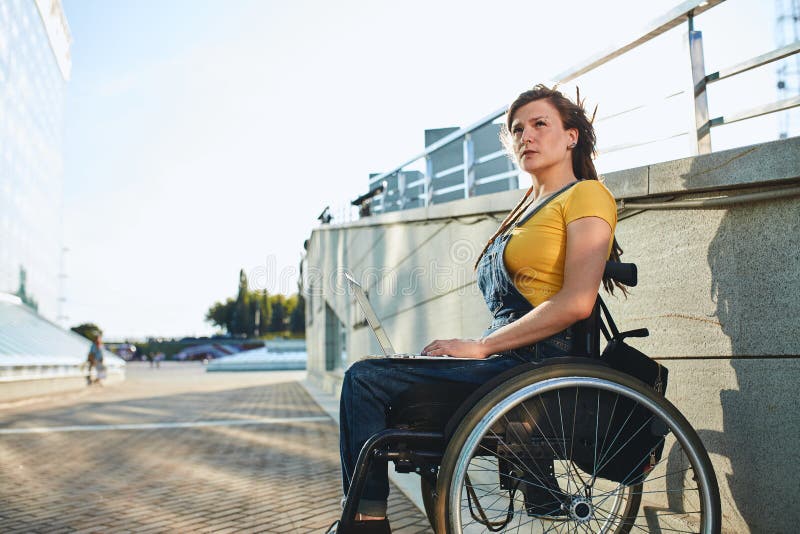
(535, 421)
(649, 420)
(563, 434)
(523, 466)
(525, 521)
(603, 459)
(664, 529)
(493, 470)
(511, 477)
(572, 441)
(608, 428)
(501, 512)
(667, 492)
(543, 435)
(596, 435)
(601, 498)
(665, 475)
(526, 445)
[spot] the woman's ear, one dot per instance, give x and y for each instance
(573, 135)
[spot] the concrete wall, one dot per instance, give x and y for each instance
(718, 290)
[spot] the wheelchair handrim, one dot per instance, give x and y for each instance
(676, 426)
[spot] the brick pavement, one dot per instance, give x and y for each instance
(229, 476)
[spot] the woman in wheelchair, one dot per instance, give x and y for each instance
(539, 275)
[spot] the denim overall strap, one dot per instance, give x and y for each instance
(503, 299)
(544, 203)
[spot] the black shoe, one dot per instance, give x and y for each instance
(378, 526)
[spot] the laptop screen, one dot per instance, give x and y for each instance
(369, 313)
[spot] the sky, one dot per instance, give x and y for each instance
(205, 137)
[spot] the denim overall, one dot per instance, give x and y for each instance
(370, 385)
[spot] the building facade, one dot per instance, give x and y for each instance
(34, 71)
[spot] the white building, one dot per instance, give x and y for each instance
(34, 70)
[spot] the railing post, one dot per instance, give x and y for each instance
(428, 187)
(469, 166)
(382, 197)
(700, 133)
(401, 190)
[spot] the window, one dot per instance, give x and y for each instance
(335, 341)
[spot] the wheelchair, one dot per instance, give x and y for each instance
(563, 445)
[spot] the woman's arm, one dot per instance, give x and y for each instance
(586, 254)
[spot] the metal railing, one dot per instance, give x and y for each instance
(433, 185)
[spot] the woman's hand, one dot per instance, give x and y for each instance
(461, 348)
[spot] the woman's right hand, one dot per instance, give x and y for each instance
(460, 348)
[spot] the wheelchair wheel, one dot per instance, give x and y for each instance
(576, 448)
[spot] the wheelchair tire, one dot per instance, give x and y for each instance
(492, 477)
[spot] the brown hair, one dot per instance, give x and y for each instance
(573, 115)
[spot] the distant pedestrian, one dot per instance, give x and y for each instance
(89, 365)
(150, 358)
(95, 360)
(158, 358)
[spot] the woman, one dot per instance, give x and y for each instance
(539, 275)
(95, 359)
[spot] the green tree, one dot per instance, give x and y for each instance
(242, 321)
(88, 330)
(221, 314)
(297, 318)
(265, 309)
(277, 322)
(254, 313)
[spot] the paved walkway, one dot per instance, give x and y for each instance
(176, 449)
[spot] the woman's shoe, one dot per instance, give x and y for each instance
(377, 526)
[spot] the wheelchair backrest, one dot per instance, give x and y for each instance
(587, 331)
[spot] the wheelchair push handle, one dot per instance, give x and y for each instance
(624, 273)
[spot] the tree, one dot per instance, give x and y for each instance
(242, 321)
(221, 314)
(254, 313)
(297, 319)
(88, 330)
(265, 312)
(277, 322)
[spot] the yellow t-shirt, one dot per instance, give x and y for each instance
(534, 256)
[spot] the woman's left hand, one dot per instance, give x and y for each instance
(461, 348)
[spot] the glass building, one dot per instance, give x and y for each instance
(34, 70)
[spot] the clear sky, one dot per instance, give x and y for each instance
(204, 137)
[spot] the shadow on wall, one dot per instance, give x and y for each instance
(754, 279)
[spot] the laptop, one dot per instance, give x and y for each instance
(377, 327)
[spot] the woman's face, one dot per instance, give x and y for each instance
(540, 140)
